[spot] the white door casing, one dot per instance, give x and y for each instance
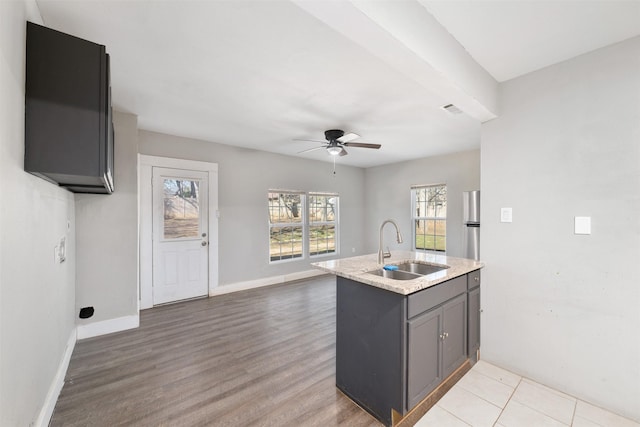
(180, 234)
(167, 269)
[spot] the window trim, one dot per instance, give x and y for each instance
(306, 225)
(415, 218)
(303, 210)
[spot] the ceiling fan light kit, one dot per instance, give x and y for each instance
(334, 150)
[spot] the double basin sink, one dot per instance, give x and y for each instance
(409, 271)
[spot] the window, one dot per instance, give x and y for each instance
(323, 210)
(181, 208)
(302, 225)
(429, 217)
(286, 225)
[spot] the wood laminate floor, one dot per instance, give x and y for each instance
(263, 357)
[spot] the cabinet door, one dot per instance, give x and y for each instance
(474, 323)
(423, 356)
(454, 344)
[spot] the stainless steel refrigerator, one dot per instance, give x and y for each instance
(471, 221)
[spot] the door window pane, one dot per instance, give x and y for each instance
(181, 209)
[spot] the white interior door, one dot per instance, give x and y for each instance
(180, 234)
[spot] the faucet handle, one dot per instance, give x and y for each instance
(386, 254)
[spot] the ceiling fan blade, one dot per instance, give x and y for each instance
(311, 149)
(348, 137)
(362, 145)
(309, 140)
(343, 152)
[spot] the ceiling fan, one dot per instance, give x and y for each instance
(337, 140)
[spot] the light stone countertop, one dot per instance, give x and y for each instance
(356, 268)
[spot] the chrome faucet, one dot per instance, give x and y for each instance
(382, 255)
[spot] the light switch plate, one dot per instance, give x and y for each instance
(506, 215)
(582, 225)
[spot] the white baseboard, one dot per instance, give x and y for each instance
(108, 326)
(303, 275)
(266, 281)
(58, 382)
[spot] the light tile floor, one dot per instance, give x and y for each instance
(493, 397)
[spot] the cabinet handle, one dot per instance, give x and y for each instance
(442, 336)
(446, 335)
(477, 279)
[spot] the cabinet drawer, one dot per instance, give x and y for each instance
(424, 300)
(473, 279)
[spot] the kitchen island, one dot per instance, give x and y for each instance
(398, 340)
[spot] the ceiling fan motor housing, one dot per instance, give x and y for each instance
(333, 134)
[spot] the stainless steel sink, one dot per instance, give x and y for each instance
(418, 268)
(395, 274)
(409, 271)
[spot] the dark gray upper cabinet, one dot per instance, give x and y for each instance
(68, 123)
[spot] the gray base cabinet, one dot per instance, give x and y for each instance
(437, 346)
(454, 334)
(474, 315)
(370, 336)
(392, 350)
(423, 357)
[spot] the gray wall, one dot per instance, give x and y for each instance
(560, 308)
(107, 235)
(388, 195)
(36, 293)
(245, 176)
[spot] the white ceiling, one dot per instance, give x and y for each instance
(259, 74)
(512, 38)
